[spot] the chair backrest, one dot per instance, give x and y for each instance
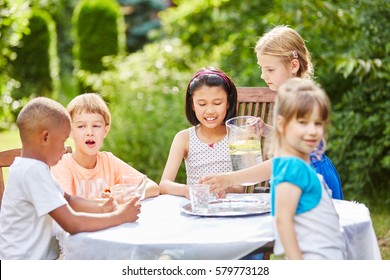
(258, 102)
(7, 157)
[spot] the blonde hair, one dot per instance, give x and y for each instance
(90, 103)
(286, 43)
(296, 98)
(39, 114)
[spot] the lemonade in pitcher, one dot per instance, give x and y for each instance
(244, 154)
(244, 143)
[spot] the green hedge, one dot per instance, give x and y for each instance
(36, 64)
(99, 32)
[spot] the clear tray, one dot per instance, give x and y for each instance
(231, 208)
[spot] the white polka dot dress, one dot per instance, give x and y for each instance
(204, 159)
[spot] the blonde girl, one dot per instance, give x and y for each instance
(282, 54)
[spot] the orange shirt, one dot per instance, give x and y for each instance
(90, 183)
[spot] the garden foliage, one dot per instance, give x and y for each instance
(36, 65)
(141, 19)
(99, 32)
(14, 16)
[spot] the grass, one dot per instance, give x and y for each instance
(380, 217)
(381, 222)
(10, 140)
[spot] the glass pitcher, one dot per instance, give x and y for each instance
(244, 143)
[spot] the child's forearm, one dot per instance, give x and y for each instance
(258, 173)
(255, 174)
(151, 189)
(170, 187)
(84, 205)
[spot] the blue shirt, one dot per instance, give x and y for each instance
(296, 171)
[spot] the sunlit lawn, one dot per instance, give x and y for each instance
(380, 218)
(9, 140)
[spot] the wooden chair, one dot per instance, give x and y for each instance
(258, 102)
(7, 157)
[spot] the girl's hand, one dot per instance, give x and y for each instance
(221, 194)
(218, 183)
(264, 129)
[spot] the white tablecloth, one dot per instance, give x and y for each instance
(359, 233)
(162, 227)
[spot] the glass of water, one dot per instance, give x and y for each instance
(199, 196)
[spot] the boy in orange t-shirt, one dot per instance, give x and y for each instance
(88, 171)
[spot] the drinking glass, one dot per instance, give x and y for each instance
(133, 184)
(199, 196)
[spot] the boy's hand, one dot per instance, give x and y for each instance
(119, 199)
(130, 209)
(109, 205)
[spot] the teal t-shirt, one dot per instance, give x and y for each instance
(296, 171)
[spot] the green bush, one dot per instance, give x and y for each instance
(361, 142)
(36, 63)
(362, 120)
(99, 32)
(61, 12)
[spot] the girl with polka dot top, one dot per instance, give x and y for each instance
(211, 99)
